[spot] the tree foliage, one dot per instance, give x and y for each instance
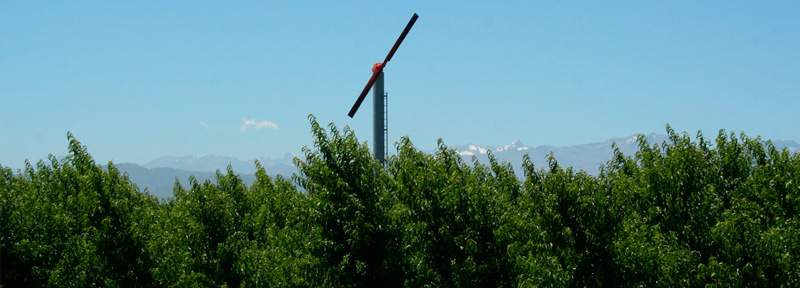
(689, 212)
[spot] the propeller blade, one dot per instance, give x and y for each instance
(400, 40)
(378, 70)
(365, 91)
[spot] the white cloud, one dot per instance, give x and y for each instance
(258, 124)
(204, 125)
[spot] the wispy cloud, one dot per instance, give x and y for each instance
(204, 125)
(258, 124)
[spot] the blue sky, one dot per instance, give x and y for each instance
(138, 80)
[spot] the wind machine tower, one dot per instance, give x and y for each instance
(379, 122)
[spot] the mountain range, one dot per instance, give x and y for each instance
(158, 176)
(587, 157)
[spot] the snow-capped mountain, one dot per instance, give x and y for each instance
(587, 157)
(471, 149)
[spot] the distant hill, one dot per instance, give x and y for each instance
(159, 175)
(211, 163)
(160, 181)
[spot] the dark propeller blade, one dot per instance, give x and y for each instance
(364, 92)
(380, 69)
(400, 39)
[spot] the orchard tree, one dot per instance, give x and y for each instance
(349, 199)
